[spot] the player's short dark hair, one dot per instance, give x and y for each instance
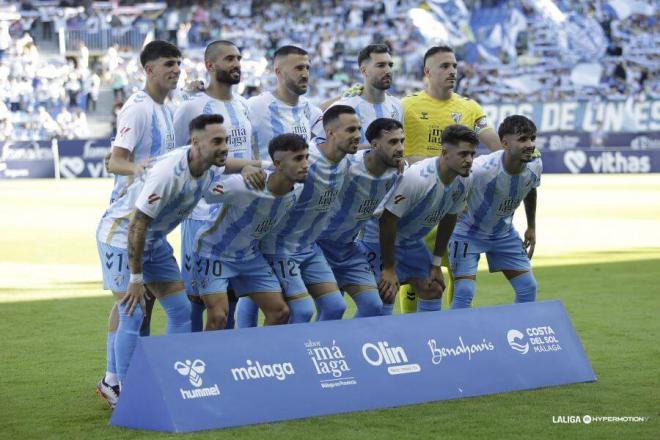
(289, 50)
(286, 142)
(158, 49)
(378, 126)
(453, 134)
(437, 49)
(210, 49)
(335, 111)
(201, 121)
(516, 124)
(372, 48)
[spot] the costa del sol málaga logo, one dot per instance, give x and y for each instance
(515, 339)
(191, 369)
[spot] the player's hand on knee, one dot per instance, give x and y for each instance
(388, 285)
(134, 297)
(530, 241)
(437, 280)
(254, 177)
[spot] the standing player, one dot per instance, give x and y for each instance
(500, 181)
(432, 192)
(131, 236)
(144, 130)
(426, 115)
(223, 63)
(375, 62)
(228, 248)
(371, 174)
(285, 110)
(292, 251)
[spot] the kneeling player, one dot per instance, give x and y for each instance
(228, 248)
(500, 181)
(431, 192)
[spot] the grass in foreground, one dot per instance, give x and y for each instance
(53, 354)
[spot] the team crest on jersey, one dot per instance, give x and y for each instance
(455, 196)
(456, 117)
(153, 198)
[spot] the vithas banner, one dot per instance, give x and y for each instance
(197, 381)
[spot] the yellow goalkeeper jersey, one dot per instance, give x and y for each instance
(424, 118)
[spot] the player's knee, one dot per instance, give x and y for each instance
(368, 304)
(278, 314)
(177, 309)
(301, 310)
(464, 289)
(130, 324)
(330, 306)
(525, 286)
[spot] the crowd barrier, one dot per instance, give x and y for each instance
(196, 381)
(563, 152)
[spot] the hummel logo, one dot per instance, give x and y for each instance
(399, 198)
(108, 259)
(153, 198)
(424, 115)
(192, 370)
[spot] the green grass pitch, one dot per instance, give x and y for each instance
(598, 252)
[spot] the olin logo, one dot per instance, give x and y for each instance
(394, 357)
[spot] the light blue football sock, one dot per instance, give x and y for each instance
(177, 309)
(525, 286)
(247, 313)
(126, 338)
(301, 310)
(197, 316)
(368, 303)
(428, 305)
(464, 289)
(330, 306)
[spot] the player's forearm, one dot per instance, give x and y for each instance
(121, 166)
(233, 166)
(445, 229)
(387, 237)
(490, 139)
(530, 209)
(137, 232)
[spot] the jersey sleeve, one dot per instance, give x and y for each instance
(227, 189)
(479, 117)
(156, 192)
(404, 196)
(412, 127)
(132, 122)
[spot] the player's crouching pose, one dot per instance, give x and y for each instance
(432, 192)
(131, 236)
(228, 248)
(500, 181)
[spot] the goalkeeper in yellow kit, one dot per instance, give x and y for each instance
(425, 114)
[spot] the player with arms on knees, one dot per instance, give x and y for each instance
(144, 131)
(431, 192)
(371, 175)
(500, 181)
(228, 248)
(427, 114)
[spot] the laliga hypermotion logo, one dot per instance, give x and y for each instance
(515, 339)
(192, 370)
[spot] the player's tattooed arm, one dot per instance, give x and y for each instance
(530, 213)
(120, 162)
(137, 232)
(388, 285)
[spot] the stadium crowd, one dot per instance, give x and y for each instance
(616, 63)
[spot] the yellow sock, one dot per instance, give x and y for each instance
(407, 299)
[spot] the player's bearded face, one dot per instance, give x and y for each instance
(348, 133)
(213, 145)
(521, 146)
(228, 65)
(294, 164)
(460, 158)
(231, 75)
(442, 70)
(391, 147)
(379, 71)
(296, 73)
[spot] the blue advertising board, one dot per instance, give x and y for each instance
(197, 381)
(580, 161)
